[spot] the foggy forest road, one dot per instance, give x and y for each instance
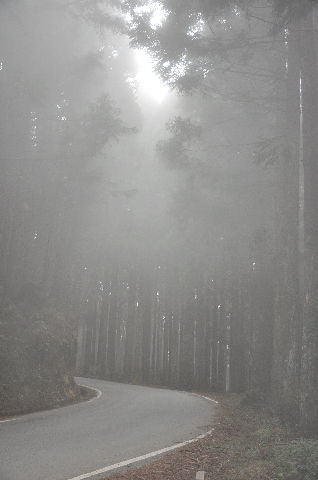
(126, 421)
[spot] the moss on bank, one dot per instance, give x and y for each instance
(36, 360)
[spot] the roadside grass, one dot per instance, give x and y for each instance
(248, 443)
(260, 447)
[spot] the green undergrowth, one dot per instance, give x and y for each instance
(259, 447)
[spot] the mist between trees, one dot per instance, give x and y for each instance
(177, 242)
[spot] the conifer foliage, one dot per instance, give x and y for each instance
(180, 242)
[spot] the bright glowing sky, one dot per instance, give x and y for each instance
(149, 82)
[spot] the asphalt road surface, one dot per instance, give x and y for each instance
(126, 421)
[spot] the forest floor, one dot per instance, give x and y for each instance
(248, 443)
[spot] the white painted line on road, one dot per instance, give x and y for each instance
(9, 420)
(210, 399)
(99, 393)
(125, 463)
(205, 398)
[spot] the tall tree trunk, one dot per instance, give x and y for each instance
(309, 388)
(187, 354)
(112, 324)
(287, 334)
(146, 306)
(262, 316)
(130, 345)
(237, 341)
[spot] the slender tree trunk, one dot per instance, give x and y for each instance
(237, 342)
(309, 388)
(146, 305)
(286, 362)
(187, 354)
(130, 345)
(112, 324)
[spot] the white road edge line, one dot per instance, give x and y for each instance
(99, 393)
(125, 463)
(205, 398)
(8, 420)
(209, 399)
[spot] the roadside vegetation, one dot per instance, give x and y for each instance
(248, 443)
(36, 355)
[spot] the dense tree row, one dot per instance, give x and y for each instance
(56, 75)
(56, 119)
(185, 255)
(257, 59)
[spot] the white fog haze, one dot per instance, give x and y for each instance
(158, 239)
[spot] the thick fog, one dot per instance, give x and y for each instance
(157, 224)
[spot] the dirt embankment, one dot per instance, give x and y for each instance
(36, 360)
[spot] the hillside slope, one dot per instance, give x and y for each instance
(36, 360)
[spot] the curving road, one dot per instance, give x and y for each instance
(126, 421)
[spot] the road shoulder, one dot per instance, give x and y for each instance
(248, 442)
